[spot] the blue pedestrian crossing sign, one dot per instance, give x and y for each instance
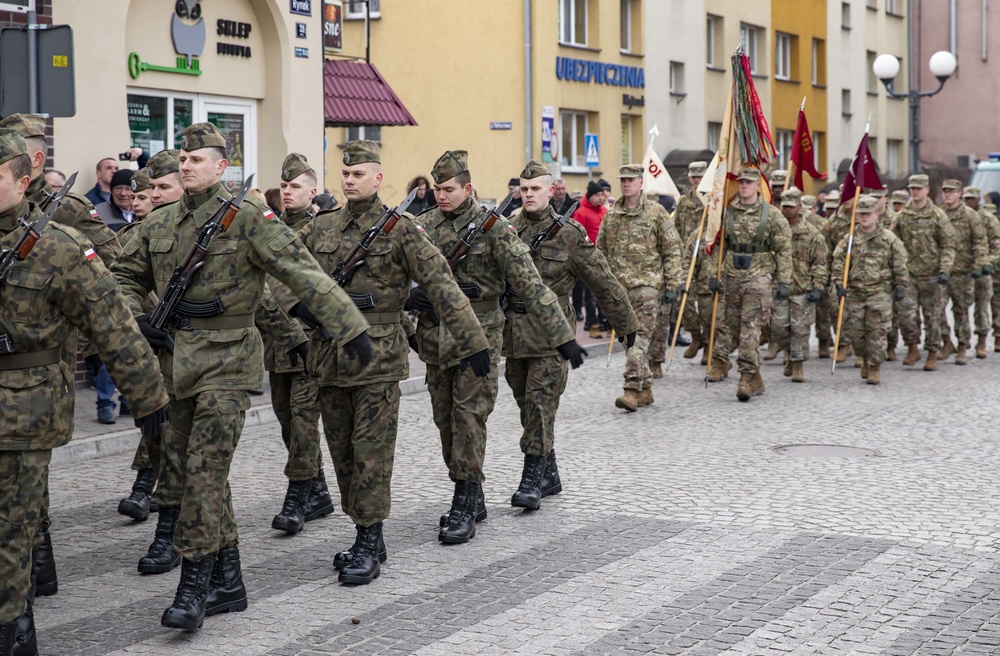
(593, 156)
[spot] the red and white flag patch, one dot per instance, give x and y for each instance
(94, 213)
(268, 214)
(420, 228)
(89, 254)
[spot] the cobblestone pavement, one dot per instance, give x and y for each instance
(679, 530)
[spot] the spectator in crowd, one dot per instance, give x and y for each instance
(590, 214)
(118, 211)
(55, 178)
(273, 199)
(325, 201)
(560, 201)
(609, 200)
(514, 185)
(424, 198)
(101, 193)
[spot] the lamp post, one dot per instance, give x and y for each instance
(942, 65)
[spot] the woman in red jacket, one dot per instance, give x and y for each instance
(590, 214)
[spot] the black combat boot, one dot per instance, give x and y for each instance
(43, 567)
(226, 592)
(188, 609)
(25, 640)
(369, 552)
(137, 504)
(8, 632)
(161, 557)
(550, 479)
(343, 558)
(529, 492)
(293, 512)
(480, 510)
(461, 526)
(320, 503)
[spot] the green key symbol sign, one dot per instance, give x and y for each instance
(136, 66)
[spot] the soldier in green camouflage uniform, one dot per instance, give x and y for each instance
(644, 252)
(984, 285)
(877, 273)
(972, 253)
(792, 320)
(535, 371)
(142, 203)
(757, 251)
(214, 361)
(929, 239)
(61, 286)
(461, 400)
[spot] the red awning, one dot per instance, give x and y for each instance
(356, 94)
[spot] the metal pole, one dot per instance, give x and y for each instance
(528, 124)
(914, 131)
(912, 84)
(32, 63)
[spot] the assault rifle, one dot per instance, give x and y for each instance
(554, 228)
(346, 268)
(464, 243)
(32, 231)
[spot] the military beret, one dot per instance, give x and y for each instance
(534, 169)
(630, 171)
(449, 165)
(952, 183)
(27, 125)
(122, 178)
(697, 169)
(202, 135)
(809, 201)
(900, 196)
(163, 163)
(791, 197)
(294, 166)
(918, 180)
(11, 145)
(140, 181)
(778, 177)
(362, 151)
(748, 174)
(867, 204)
(971, 192)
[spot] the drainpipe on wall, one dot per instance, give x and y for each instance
(984, 53)
(528, 124)
(953, 28)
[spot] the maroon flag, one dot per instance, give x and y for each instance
(862, 174)
(803, 154)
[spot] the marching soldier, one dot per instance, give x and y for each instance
(535, 371)
(984, 286)
(209, 362)
(690, 207)
(897, 200)
(838, 224)
(644, 252)
(78, 293)
(462, 400)
(929, 240)
(757, 251)
(809, 211)
(972, 253)
(142, 201)
(704, 273)
(877, 274)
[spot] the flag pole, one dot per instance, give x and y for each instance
(720, 244)
(687, 286)
(611, 347)
(791, 163)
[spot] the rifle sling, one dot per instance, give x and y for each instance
(42, 358)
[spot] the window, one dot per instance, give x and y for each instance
(677, 79)
(573, 22)
(893, 156)
(894, 7)
(845, 103)
(783, 142)
(355, 9)
(873, 83)
(872, 4)
(714, 132)
(626, 17)
(782, 56)
(819, 149)
(573, 153)
(369, 132)
(749, 38)
(819, 62)
(873, 147)
(626, 140)
(845, 15)
(714, 27)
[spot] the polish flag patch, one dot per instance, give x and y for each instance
(510, 226)
(420, 228)
(89, 254)
(268, 214)
(586, 238)
(94, 214)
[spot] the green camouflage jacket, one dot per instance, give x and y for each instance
(560, 261)
(809, 258)
(776, 261)
(688, 214)
(878, 263)
(77, 212)
(642, 247)
(60, 287)
(928, 237)
(972, 249)
(276, 351)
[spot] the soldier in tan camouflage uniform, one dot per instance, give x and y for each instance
(838, 224)
(213, 361)
(877, 274)
(690, 207)
(991, 209)
(644, 253)
(792, 319)
(757, 250)
(897, 200)
(984, 285)
(535, 371)
(929, 239)
(76, 292)
(704, 273)
(972, 253)
(809, 211)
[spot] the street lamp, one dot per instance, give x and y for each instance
(942, 65)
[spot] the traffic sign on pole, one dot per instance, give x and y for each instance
(593, 150)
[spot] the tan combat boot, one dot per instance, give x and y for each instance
(744, 390)
(719, 371)
(656, 369)
(694, 347)
(595, 332)
(864, 368)
(629, 401)
(890, 354)
(788, 367)
(645, 397)
(797, 375)
(912, 356)
(843, 353)
(772, 350)
(704, 357)
(981, 347)
(873, 374)
(960, 355)
(996, 344)
(824, 349)
(948, 349)
(859, 362)
(931, 364)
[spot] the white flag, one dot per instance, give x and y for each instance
(655, 177)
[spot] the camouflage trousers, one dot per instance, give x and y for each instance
(665, 321)
(360, 424)
(196, 452)
(24, 478)
(995, 304)
(147, 455)
(961, 290)
(791, 322)
(921, 297)
(824, 326)
(867, 322)
(537, 384)
(748, 309)
(646, 304)
(294, 399)
(984, 298)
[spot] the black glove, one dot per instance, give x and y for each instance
(683, 289)
(628, 340)
(412, 339)
(976, 274)
(302, 312)
(814, 295)
(987, 270)
(152, 424)
(573, 352)
(93, 363)
(361, 348)
(670, 298)
(841, 292)
(158, 339)
(829, 280)
(300, 351)
(480, 363)
(714, 285)
(897, 294)
(418, 301)
(942, 278)
(783, 292)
